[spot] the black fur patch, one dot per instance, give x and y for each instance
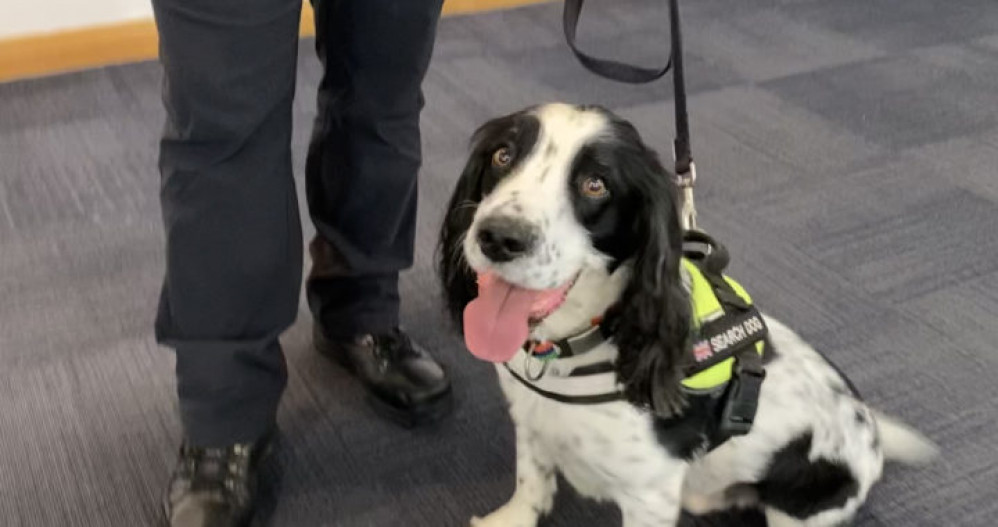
(688, 435)
(609, 221)
(518, 133)
(801, 488)
(636, 180)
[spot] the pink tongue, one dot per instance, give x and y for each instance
(496, 323)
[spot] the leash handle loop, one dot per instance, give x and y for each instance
(610, 69)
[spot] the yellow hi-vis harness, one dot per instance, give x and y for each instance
(727, 344)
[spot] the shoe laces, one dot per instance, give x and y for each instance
(216, 468)
(395, 345)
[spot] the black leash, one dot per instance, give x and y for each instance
(622, 72)
(610, 69)
(684, 154)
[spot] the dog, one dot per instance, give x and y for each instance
(563, 216)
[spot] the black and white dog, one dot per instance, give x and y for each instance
(563, 215)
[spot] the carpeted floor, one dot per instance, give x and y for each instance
(848, 154)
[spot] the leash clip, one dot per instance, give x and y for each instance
(687, 179)
(688, 212)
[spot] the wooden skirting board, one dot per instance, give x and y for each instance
(63, 51)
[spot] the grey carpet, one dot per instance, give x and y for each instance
(848, 153)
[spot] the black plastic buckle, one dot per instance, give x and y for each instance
(742, 400)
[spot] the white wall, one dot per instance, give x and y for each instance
(30, 17)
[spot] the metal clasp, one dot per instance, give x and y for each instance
(688, 211)
(533, 359)
(527, 370)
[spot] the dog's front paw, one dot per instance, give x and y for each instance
(508, 516)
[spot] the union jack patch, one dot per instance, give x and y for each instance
(702, 351)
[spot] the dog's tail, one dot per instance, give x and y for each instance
(903, 443)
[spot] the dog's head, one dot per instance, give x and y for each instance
(563, 214)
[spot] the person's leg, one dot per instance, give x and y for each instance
(233, 239)
(361, 185)
(365, 157)
(233, 236)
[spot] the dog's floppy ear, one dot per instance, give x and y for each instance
(457, 279)
(650, 324)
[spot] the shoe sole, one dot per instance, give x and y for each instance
(429, 413)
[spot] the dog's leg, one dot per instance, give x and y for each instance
(656, 504)
(535, 489)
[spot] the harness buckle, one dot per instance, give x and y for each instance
(741, 400)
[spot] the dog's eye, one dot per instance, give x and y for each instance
(502, 158)
(594, 187)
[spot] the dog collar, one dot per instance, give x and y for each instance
(586, 378)
(574, 370)
(568, 347)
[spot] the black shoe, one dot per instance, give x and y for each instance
(216, 487)
(405, 383)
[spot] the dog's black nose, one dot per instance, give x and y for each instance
(503, 239)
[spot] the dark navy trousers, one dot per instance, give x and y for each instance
(233, 235)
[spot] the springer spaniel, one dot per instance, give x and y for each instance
(562, 216)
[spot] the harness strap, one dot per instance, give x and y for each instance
(703, 249)
(568, 399)
(728, 337)
(742, 399)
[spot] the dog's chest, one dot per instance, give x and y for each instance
(600, 449)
